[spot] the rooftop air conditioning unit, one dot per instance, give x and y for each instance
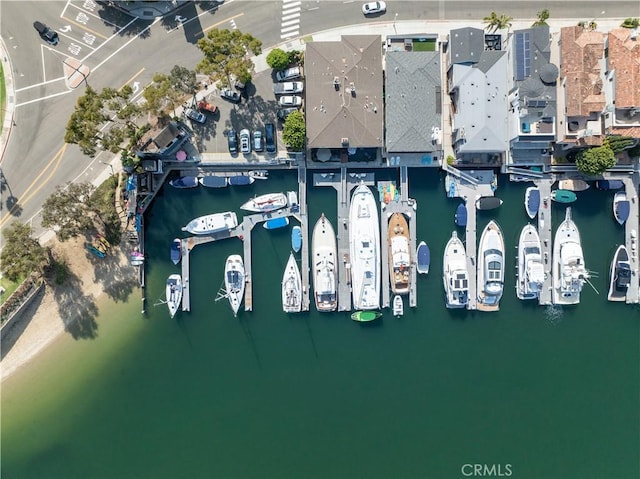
(336, 83)
(345, 141)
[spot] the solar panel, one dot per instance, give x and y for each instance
(536, 103)
(523, 55)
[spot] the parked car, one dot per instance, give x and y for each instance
(289, 74)
(245, 141)
(371, 8)
(205, 106)
(195, 115)
(232, 141)
(47, 34)
(258, 144)
(270, 137)
(288, 87)
(283, 113)
(230, 95)
(290, 100)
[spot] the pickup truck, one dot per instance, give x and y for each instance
(287, 88)
(205, 106)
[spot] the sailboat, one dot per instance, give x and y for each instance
(174, 293)
(323, 254)
(490, 268)
(292, 287)
(234, 281)
(530, 267)
(569, 271)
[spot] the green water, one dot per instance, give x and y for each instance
(552, 393)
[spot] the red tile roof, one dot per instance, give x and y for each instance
(624, 58)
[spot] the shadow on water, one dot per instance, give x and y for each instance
(311, 338)
(247, 332)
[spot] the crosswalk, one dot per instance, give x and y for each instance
(290, 26)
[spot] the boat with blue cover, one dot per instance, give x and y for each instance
(184, 182)
(563, 196)
(609, 184)
(424, 258)
(240, 180)
(176, 250)
(95, 251)
(296, 238)
(461, 215)
(275, 223)
(532, 201)
(488, 203)
(213, 181)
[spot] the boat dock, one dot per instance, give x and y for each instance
(631, 235)
(304, 226)
(545, 231)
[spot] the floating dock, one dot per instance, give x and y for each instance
(545, 231)
(632, 186)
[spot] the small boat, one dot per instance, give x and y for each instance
(213, 181)
(488, 203)
(609, 184)
(324, 253)
(398, 306)
(104, 241)
(366, 316)
(569, 270)
(399, 254)
(530, 268)
(621, 207)
(573, 185)
(292, 200)
(292, 287)
(563, 196)
(240, 180)
(95, 251)
(137, 262)
(461, 215)
(99, 246)
(184, 182)
(424, 258)
(174, 293)
(234, 281)
(532, 201)
(259, 174)
(296, 238)
(490, 271)
(450, 186)
(455, 275)
(213, 223)
(275, 223)
(620, 276)
(265, 203)
(176, 250)
(137, 256)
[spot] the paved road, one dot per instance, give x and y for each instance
(120, 50)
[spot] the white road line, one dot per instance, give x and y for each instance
(289, 35)
(293, 27)
(291, 4)
(290, 22)
(289, 17)
(290, 10)
(39, 84)
(43, 98)
(123, 46)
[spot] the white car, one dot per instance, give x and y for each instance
(287, 88)
(245, 141)
(374, 7)
(289, 74)
(195, 115)
(290, 100)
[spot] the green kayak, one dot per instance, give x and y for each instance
(563, 196)
(364, 316)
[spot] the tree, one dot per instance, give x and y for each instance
(619, 143)
(543, 16)
(630, 23)
(22, 254)
(71, 210)
(497, 22)
(294, 132)
(595, 161)
(278, 59)
(226, 53)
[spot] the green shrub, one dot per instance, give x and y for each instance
(630, 23)
(278, 59)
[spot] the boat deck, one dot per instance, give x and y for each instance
(545, 231)
(632, 224)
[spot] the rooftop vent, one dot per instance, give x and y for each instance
(345, 142)
(336, 83)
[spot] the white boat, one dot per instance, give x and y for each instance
(292, 200)
(455, 275)
(234, 281)
(620, 275)
(292, 287)
(265, 203)
(532, 201)
(530, 267)
(364, 243)
(573, 184)
(259, 174)
(569, 271)
(423, 256)
(621, 207)
(324, 254)
(399, 256)
(398, 306)
(490, 268)
(174, 293)
(214, 223)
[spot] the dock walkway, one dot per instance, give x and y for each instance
(545, 231)
(631, 235)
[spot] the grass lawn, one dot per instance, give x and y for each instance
(426, 45)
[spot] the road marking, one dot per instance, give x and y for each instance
(115, 35)
(43, 98)
(290, 21)
(223, 21)
(84, 27)
(126, 44)
(289, 17)
(24, 199)
(132, 78)
(292, 27)
(38, 84)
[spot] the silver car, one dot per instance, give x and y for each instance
(245, 141)
(195, 115)
(289, 74)
(290, 100)
(258, 144)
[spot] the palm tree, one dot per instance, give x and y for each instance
(497, 22)
(543, 16)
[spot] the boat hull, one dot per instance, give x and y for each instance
(265, 203)
(184, 182)
(455, 274)
(532, 201)
(324, 254)
(174, 293)
(214, 223)
(563, 196)
(399, 254)
(621, 207)
(488, 203)
(291, 287)
(366, 316)
(276, 223)
(176, 250)
(461, 215)
(234, 281)
(240, 180)
(530, 268)
(569, 271)
(619, 275)
(490, 270)
(214, 181)
(364, 249)
(296, 238)
(423, 258)
(398, 306)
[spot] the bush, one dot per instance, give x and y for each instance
(595, 161)
(450, 160)
(278, 59)
(630, 23)
(294, 132)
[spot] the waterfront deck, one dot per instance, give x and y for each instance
(545, 231)
(631, 235)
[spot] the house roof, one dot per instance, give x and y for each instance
(624, 58)
(466, 45)
(354, 109)
(581, 51)
(413, 96)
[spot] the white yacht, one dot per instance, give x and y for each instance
(364, 245)
(214, 223)
(265, 203)
(490, 267)
(174, 293)
(292, 287)
(234, 281)
(569, 270)
(455, 275)
(530, 267)
(324, 253)
(399, 255)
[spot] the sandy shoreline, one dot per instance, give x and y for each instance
(69, 308)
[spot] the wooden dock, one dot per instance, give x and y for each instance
(304, 226)
(631, 235)
(545, 231)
